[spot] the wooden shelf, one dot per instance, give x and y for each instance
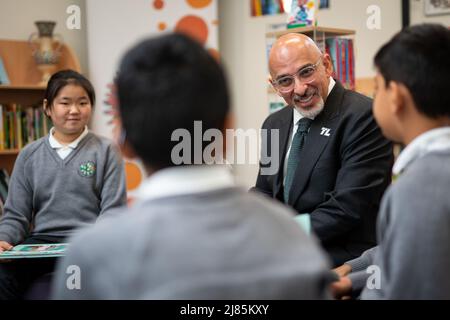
(19, 63)
(7, 159)
(365, 86)
(9, 152)
(26, 95)
(310, 31)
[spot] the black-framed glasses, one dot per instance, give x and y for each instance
(305, 75)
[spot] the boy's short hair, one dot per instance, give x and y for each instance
(419, 58)
(167, 83)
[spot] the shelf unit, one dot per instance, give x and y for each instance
(313, 32)
(24, 77)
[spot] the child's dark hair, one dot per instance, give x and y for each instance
(164, 84)
(419, 58)
(63, 78)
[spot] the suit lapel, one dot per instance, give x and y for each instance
(321, 131)
(285, 129)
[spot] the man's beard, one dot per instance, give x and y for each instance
(312, 112)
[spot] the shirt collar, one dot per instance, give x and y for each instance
(55, 144)
(433, 140)
(298, 116)
(185, 180)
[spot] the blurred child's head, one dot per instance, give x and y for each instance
(164, 84)
(413, 91)
(68, 101)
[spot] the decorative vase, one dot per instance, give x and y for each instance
(46, 49)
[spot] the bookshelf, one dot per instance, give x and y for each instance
(23, 94)
(322, 37)
(313, 32)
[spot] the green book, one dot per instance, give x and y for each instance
(35, 251)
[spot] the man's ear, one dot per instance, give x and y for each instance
(328, 64)
(270, 82)
(396, 96)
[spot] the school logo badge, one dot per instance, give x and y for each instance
(87, 169)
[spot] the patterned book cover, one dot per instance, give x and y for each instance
(35, 251)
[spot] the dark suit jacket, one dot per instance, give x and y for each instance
(341, 176)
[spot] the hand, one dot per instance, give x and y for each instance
(4, 246)
(341, 289)
(343, 270)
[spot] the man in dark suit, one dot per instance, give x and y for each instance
(334, 163)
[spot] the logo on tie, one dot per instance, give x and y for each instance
(325, 132)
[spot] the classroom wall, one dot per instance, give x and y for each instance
(242, 45)
(17, 22)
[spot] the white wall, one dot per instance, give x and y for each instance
(242, 46)
(17, 19)
(113, 31)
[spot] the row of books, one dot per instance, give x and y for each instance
(341, 51)
(20, 126)
(266, 7)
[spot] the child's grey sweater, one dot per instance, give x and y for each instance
(51, 196)
(413, 255)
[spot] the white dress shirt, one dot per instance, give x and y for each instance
(182, 180)
(64, 150)
(296, 118)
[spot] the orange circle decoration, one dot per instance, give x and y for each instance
(215, 54)
(194, 27)
(198, 4)
(133, 175)
(162, 26)
(158, 4)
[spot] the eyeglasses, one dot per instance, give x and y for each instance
(305, 75)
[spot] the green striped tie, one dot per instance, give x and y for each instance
(294, 154)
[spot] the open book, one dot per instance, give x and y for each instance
(35, 251)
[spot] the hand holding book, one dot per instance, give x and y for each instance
(5, 246)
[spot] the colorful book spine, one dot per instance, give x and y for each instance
(18, 127)
(352, 65)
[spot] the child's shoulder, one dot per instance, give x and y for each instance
(425, 179)
(31, 148)
(93, 138)
(100, 145)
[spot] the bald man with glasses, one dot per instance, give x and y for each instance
(334, 162)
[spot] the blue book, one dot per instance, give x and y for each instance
(3, 75)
